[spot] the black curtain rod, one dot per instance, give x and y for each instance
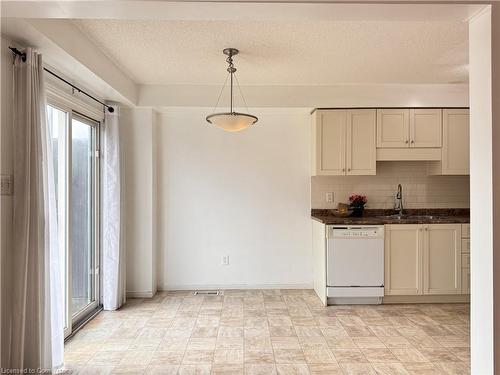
(15, 51)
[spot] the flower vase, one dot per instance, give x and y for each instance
(357, 211)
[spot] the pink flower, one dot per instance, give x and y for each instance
(357, 199)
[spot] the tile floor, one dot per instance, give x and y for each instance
(271, 332)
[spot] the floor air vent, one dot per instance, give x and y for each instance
(207, 293)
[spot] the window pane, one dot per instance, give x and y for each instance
(82, 199)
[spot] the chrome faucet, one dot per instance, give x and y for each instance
(398, 202)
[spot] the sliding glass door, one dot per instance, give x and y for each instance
(75, 145)
(84, 268)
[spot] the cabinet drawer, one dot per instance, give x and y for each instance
(465, 280)
(465, 230)
(465, 245)
(465, 260)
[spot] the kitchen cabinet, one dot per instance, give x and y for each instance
(393, 128)
(328, 145)
(360, 137)
(319, 259)
(465, 258)
(409, 128)
(423, 259)
(425, 128)
(442, 259)
(403, 259)
(344, 142)
(455, 150)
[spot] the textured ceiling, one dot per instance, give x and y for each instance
(285, 53)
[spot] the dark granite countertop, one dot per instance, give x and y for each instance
(411, 216)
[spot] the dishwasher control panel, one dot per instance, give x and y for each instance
(356, 232)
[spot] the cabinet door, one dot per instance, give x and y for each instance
(442, 259)
(403, 259)
(455, 152)
(465, 280)
(331, 138)
(319, 259)
(425, 127)
(361, 152)
(393, 128)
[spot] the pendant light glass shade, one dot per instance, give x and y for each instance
(231, 121)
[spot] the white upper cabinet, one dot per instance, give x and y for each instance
(409, 128)
(455, 152)
(393, 128)
(425, 127)
(361, 152)
(344, 142)
(351, 141)
(330, 142)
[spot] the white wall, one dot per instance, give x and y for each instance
(484, 37)
(6, 167)
(244, 194)
(137, 131)
(419, 189)
(495, 83)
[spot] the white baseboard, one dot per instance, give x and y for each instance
(147, 294)
(234, 286)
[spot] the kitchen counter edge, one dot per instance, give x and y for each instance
(381, 217)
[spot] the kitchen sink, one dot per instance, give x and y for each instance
(414, 217)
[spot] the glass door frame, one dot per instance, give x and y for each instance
(70, 108)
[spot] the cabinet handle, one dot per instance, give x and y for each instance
(348, 169)
(343, 169)
(412, 141)
(426, 229)
(406, 141)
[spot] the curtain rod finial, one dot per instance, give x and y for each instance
(15, 51)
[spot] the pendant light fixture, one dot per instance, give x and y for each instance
(231, 121)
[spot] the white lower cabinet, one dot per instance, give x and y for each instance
(319, 259)
(403, 259)
(442, 259)
(465, 280)
(423, 259)
(465, 259)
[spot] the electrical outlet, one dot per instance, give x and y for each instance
(329, 197)
(225, 260)
(6, 184)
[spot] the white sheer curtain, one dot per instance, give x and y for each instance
(37, 338)
(113, 249)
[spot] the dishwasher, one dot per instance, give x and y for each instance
(355, 264)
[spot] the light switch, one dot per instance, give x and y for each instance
(6, 184)
(329, 197)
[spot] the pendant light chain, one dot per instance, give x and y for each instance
(231, 106)
(241, 93)
(220, 93)
(231, 69)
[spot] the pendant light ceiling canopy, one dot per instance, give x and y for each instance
(231, 121)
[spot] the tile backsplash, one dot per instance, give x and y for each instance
(419, 189)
